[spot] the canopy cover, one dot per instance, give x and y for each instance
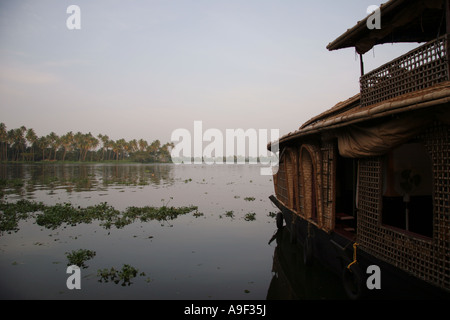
(401, 21)
(357, 141)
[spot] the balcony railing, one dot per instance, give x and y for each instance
(418, 69)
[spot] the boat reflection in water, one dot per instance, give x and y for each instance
(293, 280)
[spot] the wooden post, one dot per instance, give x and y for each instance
(361, 63)
(447, 15)
(447, 32)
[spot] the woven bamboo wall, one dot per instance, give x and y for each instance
(280, 181)
(427, 259)
(305, 188)
(298, 166)
(310, 181)
(291, 177)
(421, 68)
(328, 151)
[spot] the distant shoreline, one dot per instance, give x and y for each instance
(82, 162)
(50, 162)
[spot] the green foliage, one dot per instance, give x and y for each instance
(125, 274)
(79, 257)
(21, 144)
(54, 216)
(272, 214)
(251, 216)
(230, 214)
(12, 213)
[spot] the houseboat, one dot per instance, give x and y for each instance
(364, 187)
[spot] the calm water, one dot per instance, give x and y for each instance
(210, 256)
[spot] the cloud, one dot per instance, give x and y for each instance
(66, 63)
(27, 76)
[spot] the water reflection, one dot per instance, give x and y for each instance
(26, 179)
(221, 253)
(292, 280)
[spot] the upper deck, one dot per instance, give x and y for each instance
(418, 69)
(422, 21)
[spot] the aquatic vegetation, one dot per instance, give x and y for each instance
(147, 213)
(53, 216)
(12, 213)
(272, 214)
(251, 216)
(125, 275)
(230, 214)
(11, 183)
(79, 257)
(198, 214)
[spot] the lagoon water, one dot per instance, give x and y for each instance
(228, 249)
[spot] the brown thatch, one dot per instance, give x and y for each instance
(350, 112)
(401, 21)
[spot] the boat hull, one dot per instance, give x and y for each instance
(359, 278)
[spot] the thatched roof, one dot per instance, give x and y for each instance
(349, 111)
(401, 21)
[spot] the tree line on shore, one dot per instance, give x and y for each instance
(22, 144)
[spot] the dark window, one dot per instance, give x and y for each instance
(345, 220)
(407, 189)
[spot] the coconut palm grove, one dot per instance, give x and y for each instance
(22, 144)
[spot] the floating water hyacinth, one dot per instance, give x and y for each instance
(250, 216)
(125, 274)
(79, 257)
(12, 213)
(54, 216)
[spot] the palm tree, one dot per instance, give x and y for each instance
(110, 145)
(54, 143)
(133, 145)
(153, 149)
(31, 138)
(165, 152)
(142, 145)
(21, 140)
(115, 148)
(104, 139)
(67, 143)
(4, 142)
(43, 143)
(10, 140)
(78, 142)
(84, 142)
(121, 145)
(15, 142)
(92, 143)
(17, 139)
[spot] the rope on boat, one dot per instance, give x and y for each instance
(355, 245)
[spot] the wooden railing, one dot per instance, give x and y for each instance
(418, 69)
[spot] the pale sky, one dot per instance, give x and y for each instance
(141, 69)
